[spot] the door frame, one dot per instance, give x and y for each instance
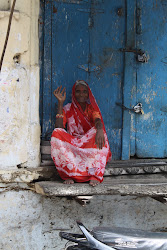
(129, 77)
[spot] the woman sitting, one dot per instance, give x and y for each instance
(81, 153)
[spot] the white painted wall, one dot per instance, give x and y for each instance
(19, 86)
(30, 221)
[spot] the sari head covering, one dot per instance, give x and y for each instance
(77, 110)
(78, 82)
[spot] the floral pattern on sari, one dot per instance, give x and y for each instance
(73, 157)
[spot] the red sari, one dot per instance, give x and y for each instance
(74, 152)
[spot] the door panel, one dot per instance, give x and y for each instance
(151, 131)
(82, 40)
(107, 36)
(66, 49)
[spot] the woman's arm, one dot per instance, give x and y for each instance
(61, 96)
(59, 116)
(100, 140)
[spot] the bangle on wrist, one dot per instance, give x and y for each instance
(59, 116)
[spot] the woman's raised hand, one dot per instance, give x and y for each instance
(60, 95)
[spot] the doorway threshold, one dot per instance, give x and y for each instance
(126, 167)
(115, 167)
(136, 166)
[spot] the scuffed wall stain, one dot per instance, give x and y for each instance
(14, 120)
(19, 38)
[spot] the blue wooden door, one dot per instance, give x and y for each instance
(145, 135)
(82, 40)
(97, 41)
(65, 49)
(151, 128)
(107, 36)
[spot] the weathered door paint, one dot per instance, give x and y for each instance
(83, 40)
(107, 36)
(151, 128)
(66, 47)
(145, 136)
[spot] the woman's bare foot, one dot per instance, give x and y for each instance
(93, 183)
(68, 181)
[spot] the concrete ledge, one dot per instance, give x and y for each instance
(27, 175)
(153, 187)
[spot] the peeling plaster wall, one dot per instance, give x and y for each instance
(30, 221)
(19, 86)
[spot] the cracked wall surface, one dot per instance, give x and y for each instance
(19, 86)
(36, 225)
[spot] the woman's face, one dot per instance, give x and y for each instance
(81, 93)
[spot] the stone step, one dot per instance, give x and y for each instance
(145, 186)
